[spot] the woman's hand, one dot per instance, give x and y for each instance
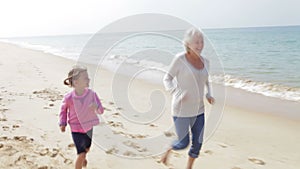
(210, 100)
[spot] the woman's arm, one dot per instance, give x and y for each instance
(168, 80)
(209, 96)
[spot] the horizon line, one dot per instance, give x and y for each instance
(207, 28)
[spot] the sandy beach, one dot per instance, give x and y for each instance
(255, 131)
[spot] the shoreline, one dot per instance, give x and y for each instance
(247, 136)
(267, 89)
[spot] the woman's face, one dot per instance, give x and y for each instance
(196, 44)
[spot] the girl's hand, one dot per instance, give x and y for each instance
(210, 100)
(62, 128)
(93, 107)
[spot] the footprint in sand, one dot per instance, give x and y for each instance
(3, 110)
(20, 138)
(115, 124)
(112, 151)
(135, 136)
(11, 151)
(257, 161)
(20, 159)
(15, 126)
(48, 94)
(43, 152)
(152, 125)
(5, 128)
(54, 152)
(106, 109)
(116, 114)
(4, 138)
(169, 134)
(44, 136)
(119, 108)
(236, 168)
(68, 161)
(8, 147)
(72, 145)
(46, 151)
(129, 153)
(223, 145)
(134, 146)
(3, 119)
(208, 152)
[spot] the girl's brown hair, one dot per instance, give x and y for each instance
(74, 75)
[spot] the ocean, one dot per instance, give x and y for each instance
(264, 60)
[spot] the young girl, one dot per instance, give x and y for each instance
(80, 107)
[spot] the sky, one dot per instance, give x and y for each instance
(58, 17)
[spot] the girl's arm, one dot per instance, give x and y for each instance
(99, 108)
(63, 113)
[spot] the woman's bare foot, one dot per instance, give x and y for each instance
(165, 157)
(190, 163)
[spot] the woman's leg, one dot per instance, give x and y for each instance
(190, 162)
(182, 131)
(182, 125)
(165, 157)
(197, 128)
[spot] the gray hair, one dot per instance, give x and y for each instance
(189, 35)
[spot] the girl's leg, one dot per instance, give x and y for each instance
(84, 164)
(79, 161)
(88, 141)
(82, 142)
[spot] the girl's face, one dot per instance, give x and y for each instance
(83, 80)
(196, 44)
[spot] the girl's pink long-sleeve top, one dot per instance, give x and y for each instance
(77, 112)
